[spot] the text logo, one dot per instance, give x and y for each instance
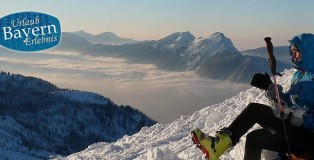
(29, 31)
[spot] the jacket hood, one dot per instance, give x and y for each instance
(305, 43)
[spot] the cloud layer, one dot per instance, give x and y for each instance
(163, 95)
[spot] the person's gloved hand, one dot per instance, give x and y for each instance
(261, 81)
(271, 92)
(296, 117)
(276, 110)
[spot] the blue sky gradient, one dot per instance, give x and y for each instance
(245, 22)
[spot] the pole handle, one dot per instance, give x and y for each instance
(271, 58)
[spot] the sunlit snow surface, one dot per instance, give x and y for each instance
(173, 141)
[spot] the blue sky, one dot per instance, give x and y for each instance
(245, 22)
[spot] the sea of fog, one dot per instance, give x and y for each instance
(162, 95)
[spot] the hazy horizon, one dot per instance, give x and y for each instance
(162, 95)
(245, 22)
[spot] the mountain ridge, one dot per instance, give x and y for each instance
(212, 57)
(103, 38)
(39, 119)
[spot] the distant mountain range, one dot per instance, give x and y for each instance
(39, 119)
(103, 38)
(281, 53)
(214, 57)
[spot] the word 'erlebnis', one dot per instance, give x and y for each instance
(29, 31)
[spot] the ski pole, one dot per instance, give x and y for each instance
(272, 64)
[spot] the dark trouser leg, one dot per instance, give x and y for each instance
(263, 139)
(300, 140)
(271, 137)
(252, 114)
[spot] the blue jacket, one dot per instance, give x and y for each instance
(301, 92)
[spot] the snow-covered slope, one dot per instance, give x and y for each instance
(172, 141)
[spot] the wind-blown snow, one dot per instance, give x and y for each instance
(173, 141)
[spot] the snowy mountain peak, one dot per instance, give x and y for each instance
(221, 39)
(176, 40)
(216, 43)
(201, 52)
(178, 37)
(187, 35)
(218, 35)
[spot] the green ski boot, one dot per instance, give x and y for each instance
(212, 147)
